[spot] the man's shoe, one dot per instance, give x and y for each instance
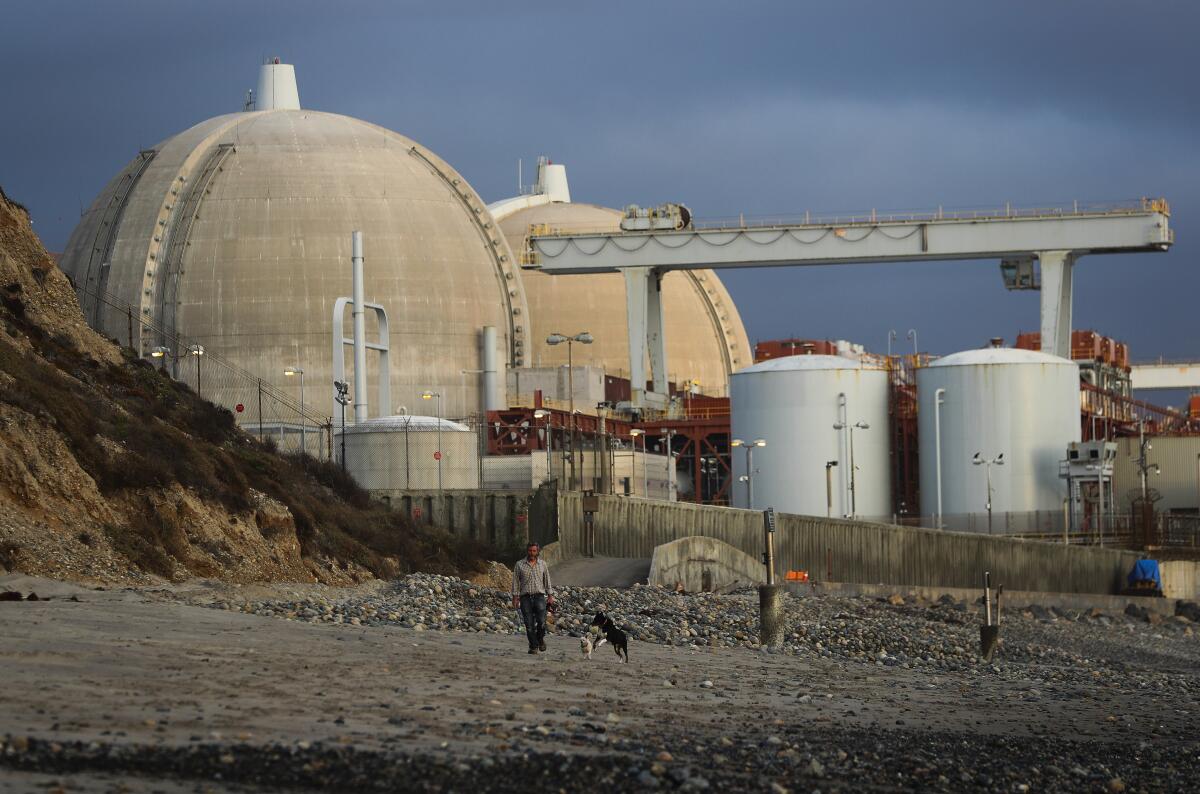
(533, 650)
(542, 645)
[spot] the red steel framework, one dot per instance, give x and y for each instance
(699, 439)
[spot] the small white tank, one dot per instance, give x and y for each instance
(1021, 404)
(398, 453)
(793, 403)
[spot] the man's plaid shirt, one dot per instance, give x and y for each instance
(529, 579)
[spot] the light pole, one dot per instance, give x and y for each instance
(670, 463)
(429, 395)
(912, 334)
(542, 413)
(939, 397)
(891, 338)
(1143, 462)
(853, 468)
(635, 432)
(197, 351)
(829, 464)
(342, 398)
(979, 460)
(290, 371)
(1100, 495)
(748, 477)
(584, 338)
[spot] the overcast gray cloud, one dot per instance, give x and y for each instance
(751, 107)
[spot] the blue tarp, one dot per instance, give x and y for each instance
(1145, 571)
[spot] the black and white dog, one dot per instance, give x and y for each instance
(611, 634)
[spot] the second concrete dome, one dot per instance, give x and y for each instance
(706, 340)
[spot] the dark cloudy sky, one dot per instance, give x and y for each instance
(729, 107)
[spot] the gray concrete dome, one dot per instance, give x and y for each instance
(706, 340)
(236, 233)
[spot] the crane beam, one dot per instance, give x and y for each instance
(1055, 238)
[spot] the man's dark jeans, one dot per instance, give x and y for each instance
(533, 612)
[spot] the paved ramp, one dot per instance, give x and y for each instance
(601, 572)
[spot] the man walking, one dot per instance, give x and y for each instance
(531, 591)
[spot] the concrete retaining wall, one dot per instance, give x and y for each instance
(849, 551)
(1181, 579)
(497, 518)
(703, 565)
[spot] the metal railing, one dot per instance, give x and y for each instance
(1008, 211)
(1118, 529)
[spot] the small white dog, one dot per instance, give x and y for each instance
(590, 642)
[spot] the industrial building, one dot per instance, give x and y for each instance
(571, 350)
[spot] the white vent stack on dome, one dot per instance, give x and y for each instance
(1021, 404)
(277, 89)
(794, 403)
(552, 181)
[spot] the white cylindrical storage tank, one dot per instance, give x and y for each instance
(793, 403)
(1022, 404)
(399, 453)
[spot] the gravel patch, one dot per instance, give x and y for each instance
(1129, 650)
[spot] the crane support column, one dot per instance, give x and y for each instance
(644, 315)
(1057, 282)
(655, 332)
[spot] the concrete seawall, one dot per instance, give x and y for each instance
(849, 551)
(830, 550)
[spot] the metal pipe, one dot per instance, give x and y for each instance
(843, 476)
(938, 400)
(360, 330)
(491, 397)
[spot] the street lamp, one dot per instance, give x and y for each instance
(979, 460)
(290, 371)
(829, 464)
(161, 352)
(748, 477)
(850, 428)
(429, 395)
(912, 334)
(542, 413)
(342, 398)
(635, 432)
(670, 433)
(197, 351)
(584, 338)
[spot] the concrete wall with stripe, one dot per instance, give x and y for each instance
(848, 551)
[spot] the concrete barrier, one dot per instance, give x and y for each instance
(703, 565)
(498, 518)
(1181, 579)
(848, 551)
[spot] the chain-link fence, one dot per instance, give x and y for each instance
(259, 408)
(407, 453)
